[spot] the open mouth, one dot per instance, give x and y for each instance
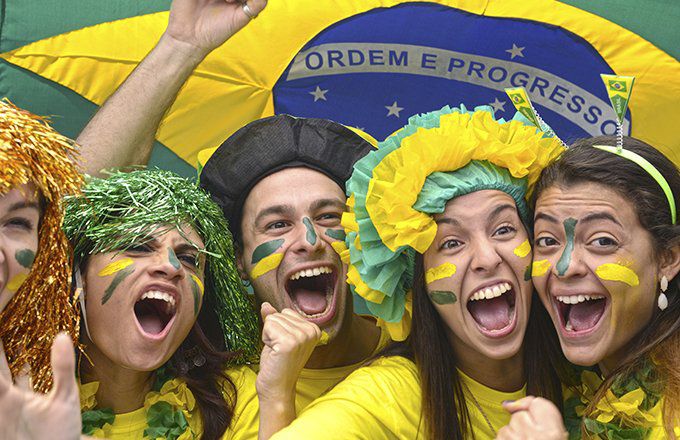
(312, 293)
(493, 309)
(580, 313)
(155, 311)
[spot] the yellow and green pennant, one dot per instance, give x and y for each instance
(619, 89)
(520, 99)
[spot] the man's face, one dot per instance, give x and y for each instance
(290, 219)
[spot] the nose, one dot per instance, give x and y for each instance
(485, 257)
(570, 263)
(165, 263)
(307, 237)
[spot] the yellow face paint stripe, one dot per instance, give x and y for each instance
(617, 272)
(114, 267)
(324, 339)
(539, 268)
(523, 249)
(199, 283)
(440, 272)
(265, 265)
(17, 281)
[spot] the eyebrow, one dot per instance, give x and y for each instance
(600, 216)
(324, 203)
(21, 205)
(276, 209)
(546, 217)
(499, 209)
(186, 247)
(447, 220)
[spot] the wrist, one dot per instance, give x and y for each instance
(181, 51)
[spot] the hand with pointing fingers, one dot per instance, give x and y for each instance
(533, 418)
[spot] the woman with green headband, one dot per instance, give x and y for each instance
(607, 244)
(437, 227)
(145, 244)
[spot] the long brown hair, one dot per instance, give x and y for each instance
(429, 347)
(660, 339)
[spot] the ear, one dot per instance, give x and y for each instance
(240, 264)
(669, 265)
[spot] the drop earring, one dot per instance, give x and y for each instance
(662, 302)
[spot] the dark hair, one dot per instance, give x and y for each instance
(584, 164)
(429, 347)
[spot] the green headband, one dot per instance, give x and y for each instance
(651, 170)
(128, 209)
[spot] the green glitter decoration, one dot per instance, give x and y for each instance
(265, 250)
(128, 209)
(565, 258)
(311, 233)
(120, 276)
(172, 257)
(336, 234)
(25, 257)
(443, 297)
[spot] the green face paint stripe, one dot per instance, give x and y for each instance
(527, 273)
(565, 258)
(120, 276)
(311, 233)
(172, 257)
(336, 234)
(442, 297)
(25, 257)
(265, 250)
(197, 296)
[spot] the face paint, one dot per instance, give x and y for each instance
(539, 268)
(523, 249)
(25, 257)
(324, 338)
(197, 289)
(439, 272)
(16, 282)
(527, 273)
(617, 272)
(120, 276)
(172, 258)
(336, 234)
(265, 250)
(565, 258)
(265, 265)
(114, 267)
(311, 233)
(443, 297)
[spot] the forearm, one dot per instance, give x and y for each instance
(122, 132)
(275, 414)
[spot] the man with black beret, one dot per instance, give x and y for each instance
(280, 182)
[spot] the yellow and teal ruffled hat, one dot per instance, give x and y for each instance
(394, 191)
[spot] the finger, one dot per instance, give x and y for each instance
(256, 6)
(23, 379)
(521, 422)
(266, 309)
(4, 365)
(513, 406)
(63, 367)
(506, 433)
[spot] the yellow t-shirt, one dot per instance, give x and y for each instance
(383, 401)
(131, 425)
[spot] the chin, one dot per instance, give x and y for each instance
(583, 356)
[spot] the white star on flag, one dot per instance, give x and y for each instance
(319, 94)
(393, 109)
(515, 51)
(497, 105)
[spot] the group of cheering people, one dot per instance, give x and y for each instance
(517, 288)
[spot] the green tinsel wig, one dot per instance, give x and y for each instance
(127, 209)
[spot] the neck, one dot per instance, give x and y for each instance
(121, 389)
(355, 341)
(506, 375)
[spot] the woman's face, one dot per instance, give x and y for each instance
(19, 219)
(142, 303)
(595, 269)
(475, 273)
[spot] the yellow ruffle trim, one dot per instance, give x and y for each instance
(400, 330)
(398, 179)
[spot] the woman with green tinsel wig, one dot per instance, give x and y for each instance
(164, 311)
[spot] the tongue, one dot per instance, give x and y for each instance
(492, 314)
(585, 315)
(310, 301)
(151, 323)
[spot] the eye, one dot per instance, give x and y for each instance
(190, 259)
(505, 229)
(451, 244)
(604, 242)
(329, 217)
(546, 242)
(20, 223)
(279, 224)
(138, 248)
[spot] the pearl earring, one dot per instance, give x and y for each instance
(662, 302)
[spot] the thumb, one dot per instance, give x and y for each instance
(63, 367)
(266, 309)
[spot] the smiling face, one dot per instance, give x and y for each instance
(141, 303)
(19, 220)
(290, 221)
(599, 270)
(474, 273)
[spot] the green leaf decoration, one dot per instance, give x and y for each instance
(165, 422)
(96, 419)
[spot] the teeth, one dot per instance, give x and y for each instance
(155, 294)
(311, 272)
(568, 327)
(491, 292)
(575, 299)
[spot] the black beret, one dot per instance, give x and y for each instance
(272, 144)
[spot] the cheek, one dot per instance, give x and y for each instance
(265, 258)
